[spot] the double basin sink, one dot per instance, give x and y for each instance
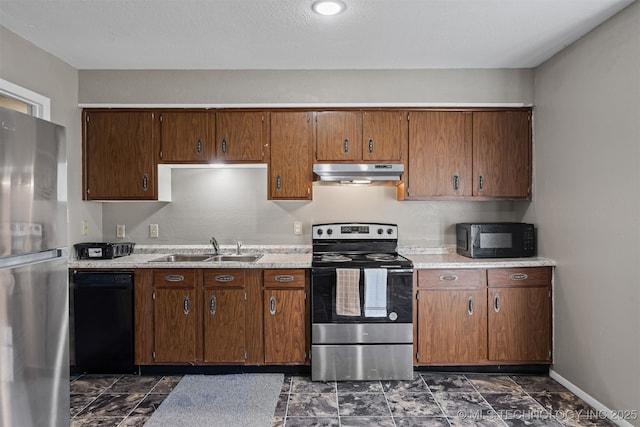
(208, 258)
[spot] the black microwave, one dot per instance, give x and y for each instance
(496, 240)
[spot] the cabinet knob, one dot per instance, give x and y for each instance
(345, 146)
(224, 146)
(212, 304)
(185, 305)
(370, 145)
(145, 182)
(496, 303)
(278, 183)
(272, 305)
(480, 182)
(456, 182)
(470, 306)
(199, 147)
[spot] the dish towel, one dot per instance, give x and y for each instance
(348, 291)
(375, 292)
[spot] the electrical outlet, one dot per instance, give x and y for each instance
(297, 227)
(120, 231)
(154, 231)
(85, 227)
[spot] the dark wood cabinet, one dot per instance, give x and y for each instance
(384, 136)
(241, 136)
(119, 155)
(176, 317)
(225, 310)
(519, 311)
(440, 154)
(285, 319)
(339, 135)
(291, 143)
(185, 136)
(502, 154)
(452, 319)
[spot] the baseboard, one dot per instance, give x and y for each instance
(593, 402)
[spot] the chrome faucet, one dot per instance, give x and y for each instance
(216, 248)
(238, 246)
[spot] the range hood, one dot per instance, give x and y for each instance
(364, 173)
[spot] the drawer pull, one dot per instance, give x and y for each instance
(370, 145)
(272, 305)
(212, 304)
(174, 278)
(345, 146)
(284, 278)
(456, 182)
(448, 278)
(225, 278)
(496, 303)
(278, 183)
(470, 306)
(185, 305)
(518, 276)
(199, 146)
(224, 146)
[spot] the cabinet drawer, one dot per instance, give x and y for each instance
(284, 278)
(451, 278)
(174, 278)
(524, 276)
(227, 278)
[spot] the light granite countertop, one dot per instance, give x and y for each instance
(287, 256)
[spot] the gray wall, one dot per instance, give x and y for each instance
(587, 206)
(26, 65)
(232, 204)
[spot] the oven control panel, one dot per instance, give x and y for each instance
(356, 231)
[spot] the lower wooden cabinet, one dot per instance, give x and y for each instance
(480, 317)
(285, 319)
(454, 302)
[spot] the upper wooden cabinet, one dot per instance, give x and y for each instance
(241, 136)
(477, 154)
(119, 152)
(185, 136)
(360, 136)
(440, 153)
(290, 170)
(502, 153)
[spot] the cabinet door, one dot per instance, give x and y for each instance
(239, 136)
(290, 171)
(520, 324)
(440, 154)
(175, 325)
(284, 326)
(502, 154)
(339, 135)
(184, 137)
(384, 135)
(224, 325)
(119, 152)
(451, 326)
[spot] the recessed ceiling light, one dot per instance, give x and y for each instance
(328, 7)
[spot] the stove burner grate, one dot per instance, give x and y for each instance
(335, 258)
(380, 257)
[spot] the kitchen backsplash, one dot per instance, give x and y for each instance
(231, 204)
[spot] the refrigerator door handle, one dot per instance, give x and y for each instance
(31, 258)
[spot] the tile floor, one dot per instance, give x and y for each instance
(431, 399)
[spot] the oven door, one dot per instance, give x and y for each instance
(399, 298)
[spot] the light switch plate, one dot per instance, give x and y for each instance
(297, 227)
(120, 231)
(154, 231)
(85, 227)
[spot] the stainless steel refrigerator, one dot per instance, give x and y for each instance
(34, 290)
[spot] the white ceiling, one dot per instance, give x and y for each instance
(286, 34)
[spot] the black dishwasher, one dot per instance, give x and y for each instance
(103, 321)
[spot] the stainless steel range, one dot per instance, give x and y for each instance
(361, 304)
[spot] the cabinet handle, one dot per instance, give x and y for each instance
(518, 276)
(212, 304)
(225, 278)
(278, 183)
(174, 278)
(185, 305)
(224, 146)
(480, 182)
(456, 182)
(199, 147)
(345, 146)
(470, 306)
(496, 303)
(284, 278)
(272, 305)
(370, 145)
(449, 278)
(145, 182)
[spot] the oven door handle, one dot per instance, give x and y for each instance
(400, 270)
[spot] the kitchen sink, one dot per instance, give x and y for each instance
(208, 257)
(236, 258)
